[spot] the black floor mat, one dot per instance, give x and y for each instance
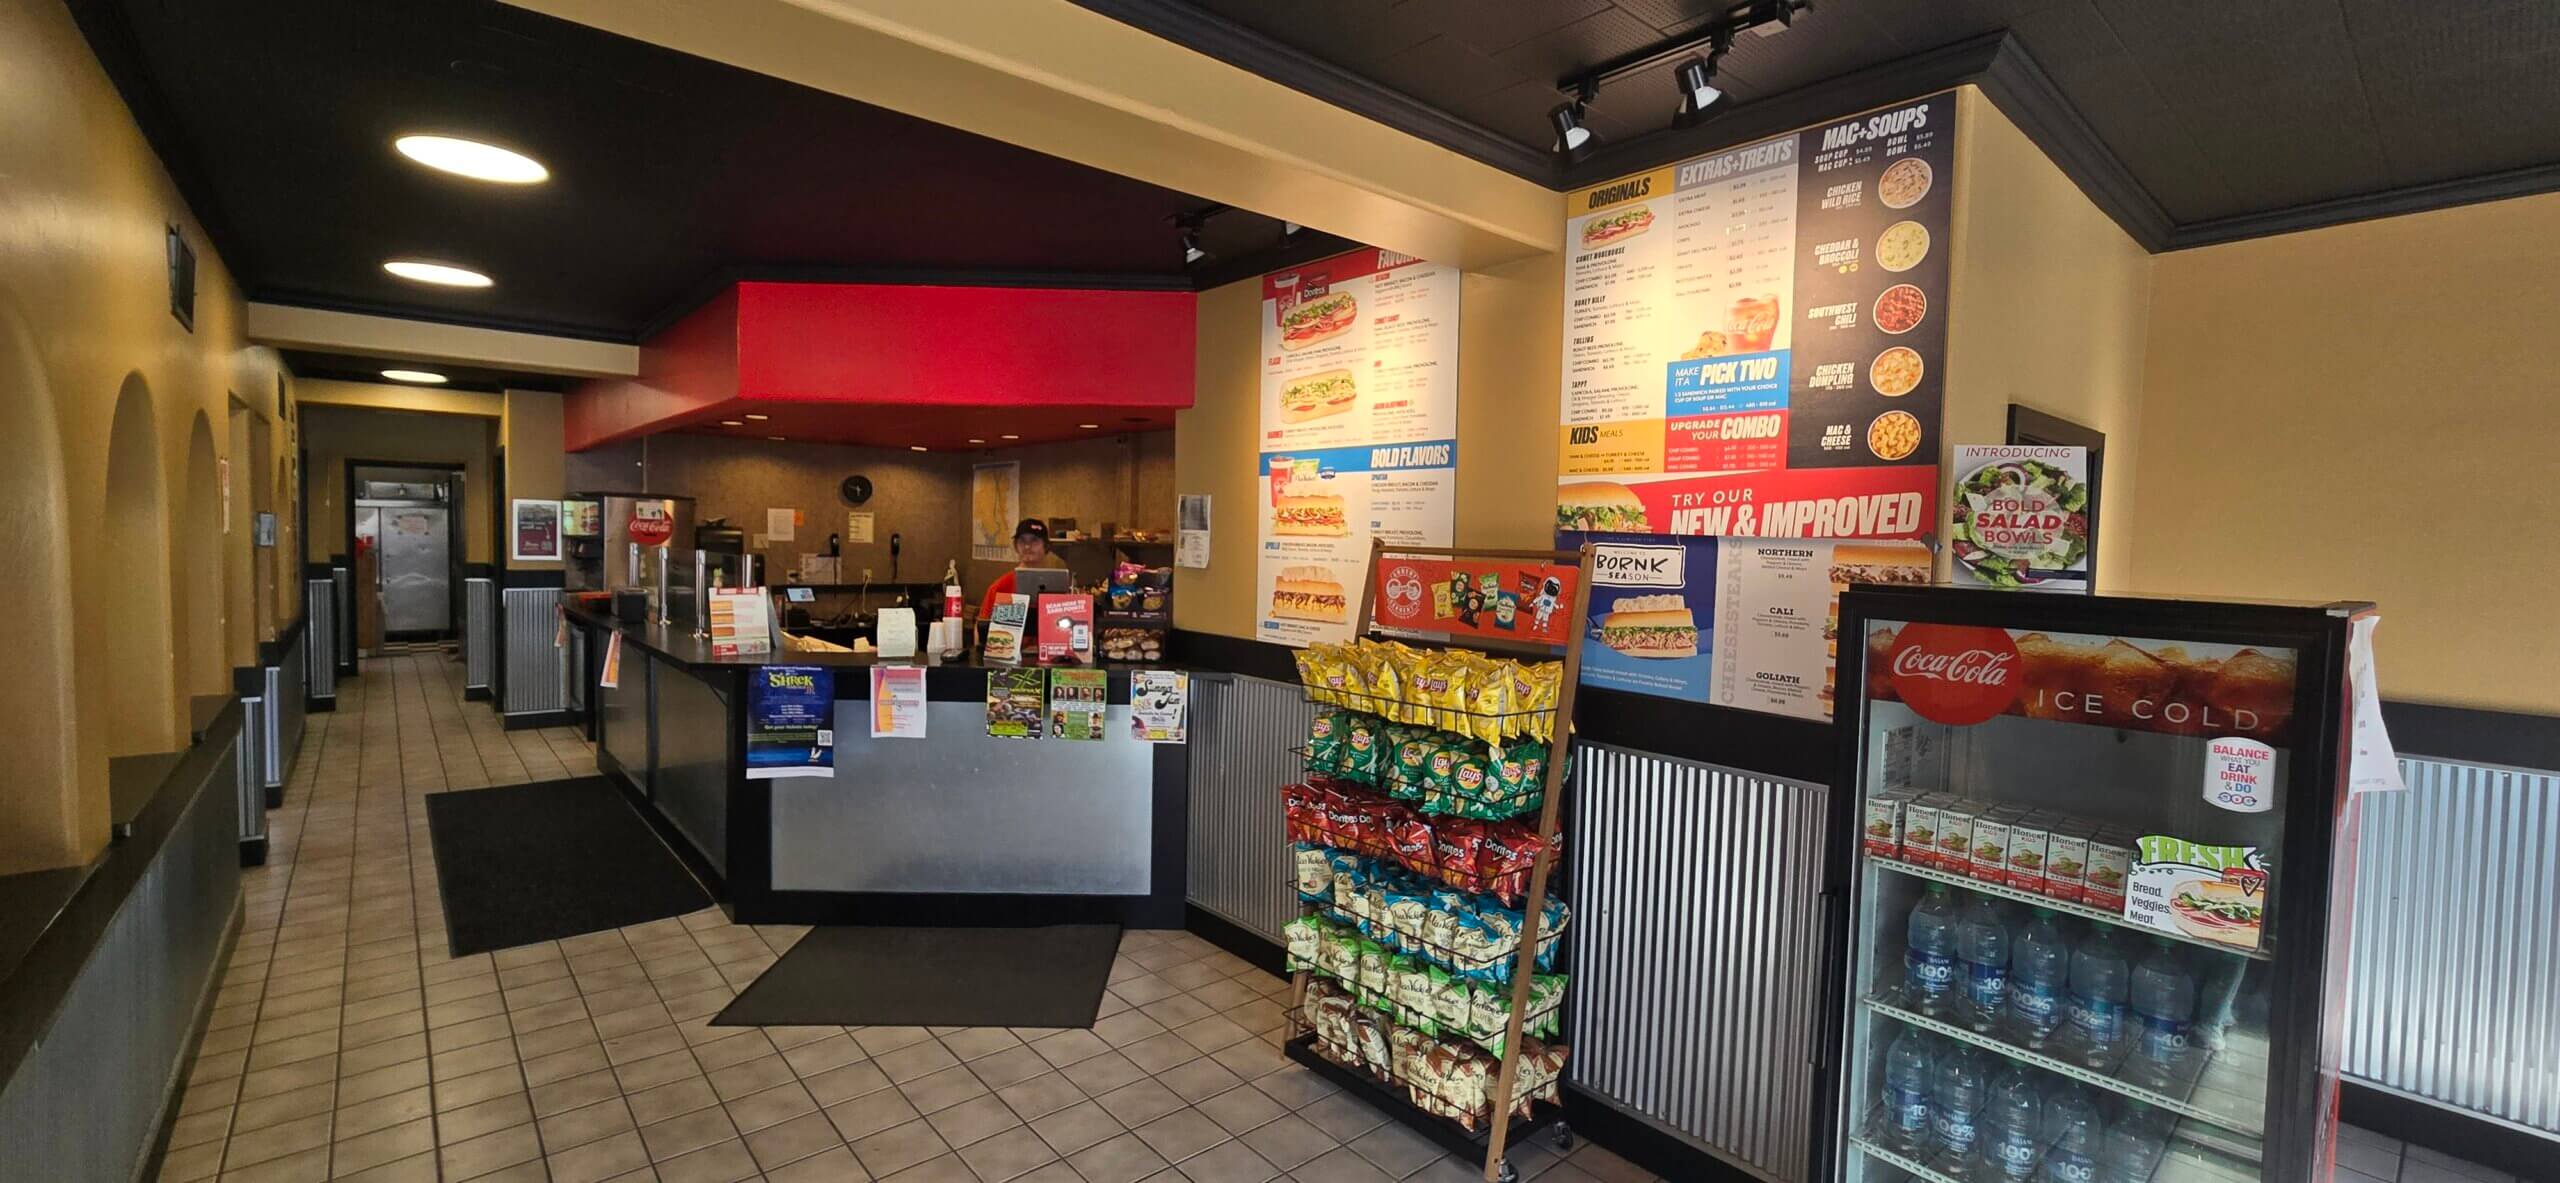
(538, 862)
(933, 977)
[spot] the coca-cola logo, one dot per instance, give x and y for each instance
(1403, 588)
(651, 530)
(1955, 674)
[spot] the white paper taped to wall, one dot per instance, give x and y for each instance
(2372, 765)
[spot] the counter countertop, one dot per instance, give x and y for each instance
(955, 680)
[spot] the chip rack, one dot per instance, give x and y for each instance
(1502, 1127)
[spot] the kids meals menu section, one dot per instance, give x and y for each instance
(1359, 430)
(1755, 339)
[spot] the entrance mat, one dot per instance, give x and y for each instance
(933, 977)
(525, 863)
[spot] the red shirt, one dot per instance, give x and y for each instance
(1002, 587)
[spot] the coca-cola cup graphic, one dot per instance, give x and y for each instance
(1959, 675)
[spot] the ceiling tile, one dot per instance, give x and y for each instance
(1491, 26)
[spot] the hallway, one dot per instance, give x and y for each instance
(346, 1045)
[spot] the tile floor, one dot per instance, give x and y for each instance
(345, 1044)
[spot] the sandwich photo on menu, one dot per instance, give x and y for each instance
(1600, 505)
(1878, 564)
(1319, 319)
(1316, 515)
(1609, 228)
(1317, 396)
(1309, 593)
(1650, 626)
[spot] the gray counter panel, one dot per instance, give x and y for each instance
(962, 812)
(692, 785)
(624, 716)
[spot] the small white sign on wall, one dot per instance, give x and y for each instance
(857, 526)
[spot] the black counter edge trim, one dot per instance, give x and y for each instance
(1641, 1142)
(1266, 954)
(249, 681)
(2474, 734)
(963, 910)
(1222, 654)
(271, 653)
(167, 1125)
(476, 694)
(253, 852)
(1748, 741)
(2449, 1130)
(511, 577)
(33, 992)
(316, 570)
(479, 571)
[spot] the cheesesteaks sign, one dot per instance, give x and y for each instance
(1755, 339)
(1359, 430)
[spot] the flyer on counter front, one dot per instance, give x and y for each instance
(897, 702)
(1077, 700)
(791, 721)
(1017, 706)
(1159, 705)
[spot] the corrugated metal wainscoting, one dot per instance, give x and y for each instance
(1696, 950)
(1241, 731)
(2453, 990)
(537, 667)
(479, 633)
(320, 646)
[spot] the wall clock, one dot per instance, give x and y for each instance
(856, 489)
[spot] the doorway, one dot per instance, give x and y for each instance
(405, 531)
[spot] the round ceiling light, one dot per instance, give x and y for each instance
(1089, 426)
(916, 448)
(473, 159)
(424, 377)
(1013, 437)
(733, 423)
(977, 441)
(758, 418)
(440, 274)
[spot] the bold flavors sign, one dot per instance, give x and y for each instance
(1955, 674)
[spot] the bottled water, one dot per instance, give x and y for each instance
(2072, 1130)
(2129, 1150)
(1929, 959)
(2164, 1009)
(2013, 1130)
(1906, 1090)
(2098, 996)
(1982, 944)
(2039, 973)
(1956, 1102)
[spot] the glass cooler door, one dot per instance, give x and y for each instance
(2061, 961)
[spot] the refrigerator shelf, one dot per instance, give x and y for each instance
(2238, 1123)
(2061, 907)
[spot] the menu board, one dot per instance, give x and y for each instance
(1755, 340)
(1359, 430)
(1735, 622)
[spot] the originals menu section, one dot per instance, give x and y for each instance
(1755, 339)
(1359, 430)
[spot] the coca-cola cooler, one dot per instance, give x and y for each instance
(2085, 879)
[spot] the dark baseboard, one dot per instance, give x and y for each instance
(168, 1123)
(2450, 1131)
(253, 852)
(275, 796)
(1641, 1142)
(1235, 938)
(539, 719)
(475, 694)
(315, 704)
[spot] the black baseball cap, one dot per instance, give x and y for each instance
(1032, 528)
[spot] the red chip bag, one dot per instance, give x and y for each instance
(1457, 848)
(1348, 824)
(1510, 849)
(1299, 803)
(1410, 842)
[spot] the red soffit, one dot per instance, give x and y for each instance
(966, 346)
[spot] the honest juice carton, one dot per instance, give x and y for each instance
(2030, 847)
(2110, 865)
(1883, 834)
(1920, 829)
(1955, 835)
(2066, 859)
(1990, 861)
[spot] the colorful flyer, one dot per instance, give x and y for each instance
(1077, 700)
(897, 702)
(610, 677)
(791, 721)
(1755, 340)
(2210, 893)
(1066, 629)
(1359, 431)
(1005, 628)
(2019, 517)
(1502, 599)
(1160, 706)
(1017, 706)
(741, 622)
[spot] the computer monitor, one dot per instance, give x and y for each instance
(1039, 581)
(800, 595)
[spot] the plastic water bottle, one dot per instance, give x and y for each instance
(2129, 1150)
(2164, 1009)
(1956, 1102)
(2014, 1128)
(2098, 996)
(2072, 1130)
(1906, 1090)
(1982, 944)
(2039, 975)
(1929, 959)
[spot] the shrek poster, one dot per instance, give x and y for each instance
(2019, 517)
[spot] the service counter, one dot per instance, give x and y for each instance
(958, 827)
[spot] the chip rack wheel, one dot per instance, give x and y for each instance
(1509, 1173)
(1560, 1138)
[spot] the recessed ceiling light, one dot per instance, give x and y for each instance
(441, 274)
(473, 159)
(916, 448)
(427, 377)
(1010, 437)
(977, 441)
(758, 418)
(1088, 426)
(733, 423)
(774, 437)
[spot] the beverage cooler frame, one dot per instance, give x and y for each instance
(2306, 932)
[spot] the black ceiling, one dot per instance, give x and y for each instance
(670, 173)
(2218, 111)
(351, 368)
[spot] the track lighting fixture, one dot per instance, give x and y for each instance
(1573, 138)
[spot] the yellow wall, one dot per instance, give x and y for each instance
(385, 396)
(2048, 300)
(1511, 327)
(83, 311)
(2367, 411)
(530, 432)
(336, 434)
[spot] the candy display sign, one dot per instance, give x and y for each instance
(1476, 597)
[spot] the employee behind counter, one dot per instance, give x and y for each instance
(1031, 548)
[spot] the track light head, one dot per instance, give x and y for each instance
(1695, 77)
(1573, 139)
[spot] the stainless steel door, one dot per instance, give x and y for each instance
(415, 598)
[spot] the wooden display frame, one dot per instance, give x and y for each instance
(1497, 1137)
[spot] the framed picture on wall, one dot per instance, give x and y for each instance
(995, 504)
(537, 531)
(2030, 426)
